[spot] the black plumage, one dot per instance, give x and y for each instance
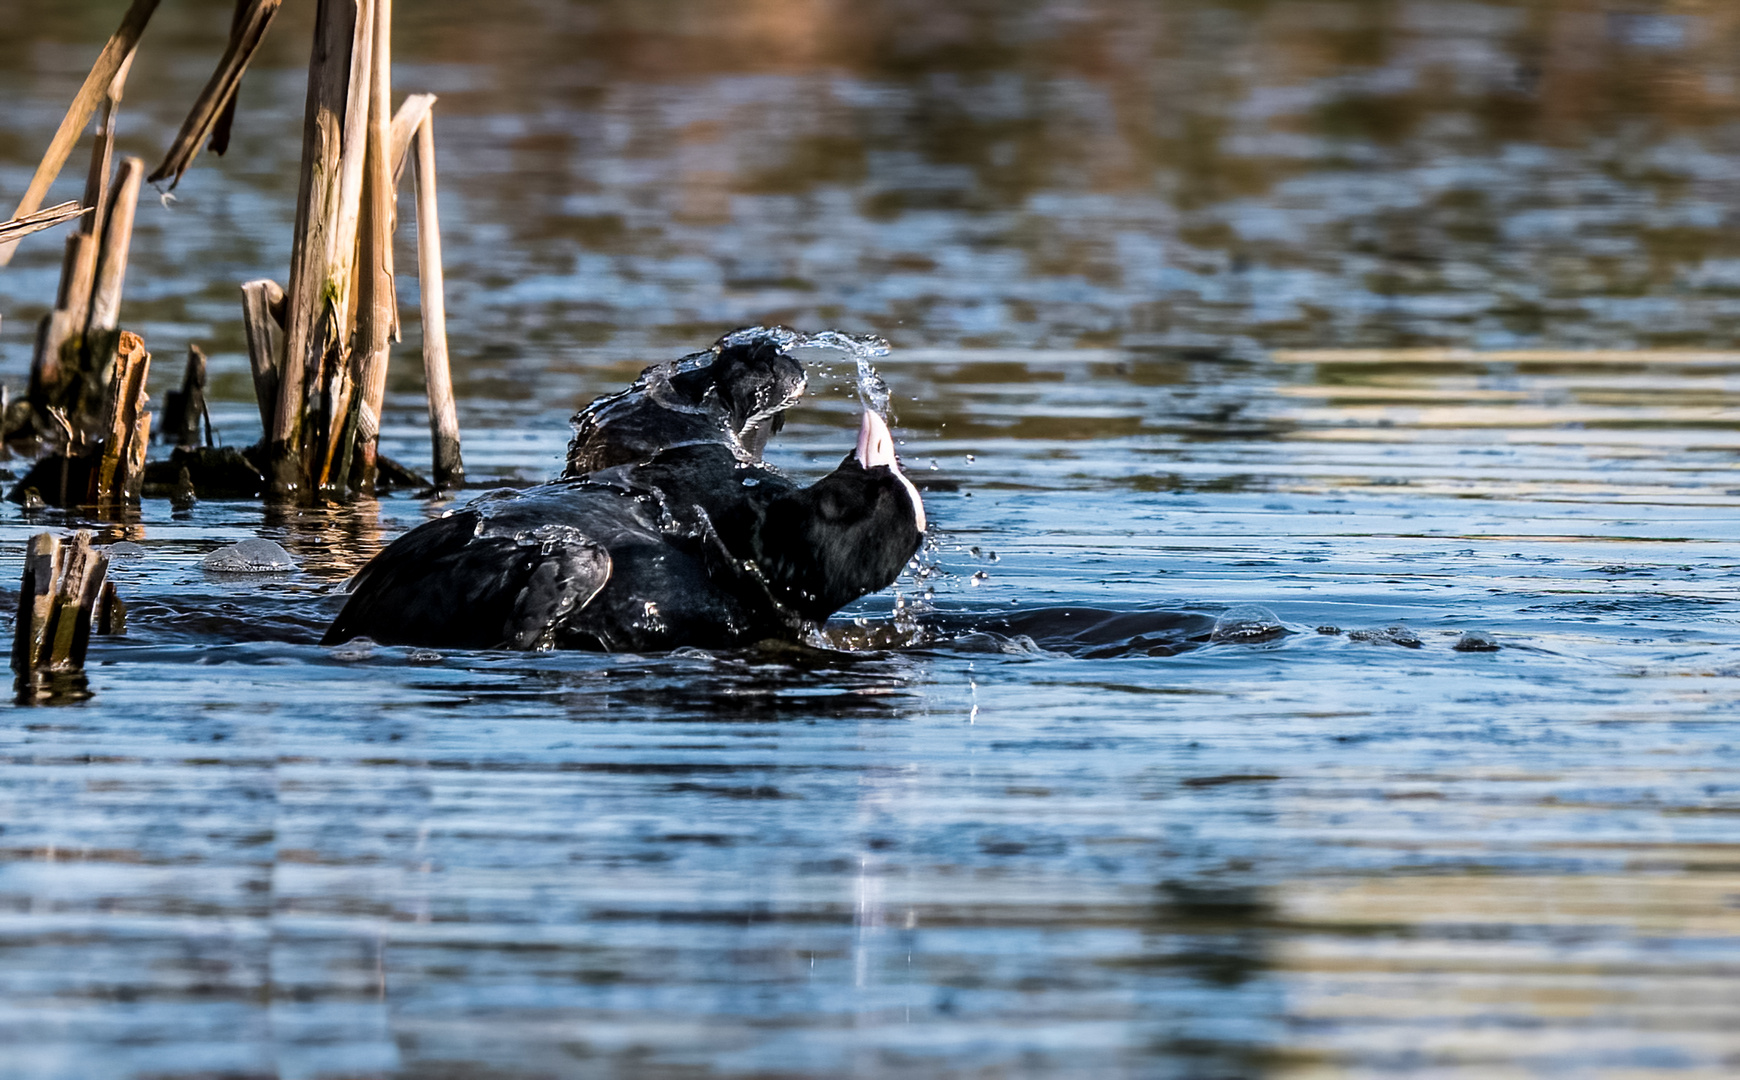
(732, 394)
(691, 540)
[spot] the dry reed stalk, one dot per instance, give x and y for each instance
(226, 118)
(62, 585)
(49, 370)
(111, 275)
(358, 101)
(405, 124)
(265, 332)
(322, 251)
(79, 268)
(67, 321)
(336, 433)
(129, 483)
(126, 427)
(97, 177)
(18, 228)
(78, 272)
(111, 616)
(184, 408)
(377, 306)
(449, 468)
(380, 165)
(96, 85)
(35, 602)
(82, 572)
(102, 166)
(216, 101)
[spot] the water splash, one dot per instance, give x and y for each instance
(862, 348)
(914, 591)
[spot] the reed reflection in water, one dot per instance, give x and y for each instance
(1189, 175)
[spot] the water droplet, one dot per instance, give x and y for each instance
(251, 556)
(1247, 624)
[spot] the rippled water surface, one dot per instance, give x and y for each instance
(1078, 810)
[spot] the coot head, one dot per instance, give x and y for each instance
(756, 383)
(846, 535)
(733, 394)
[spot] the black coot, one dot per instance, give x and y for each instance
(734, 394)
(692, 542)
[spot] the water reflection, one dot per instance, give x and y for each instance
(331, 541)
(1194, 175)
(1038, 821)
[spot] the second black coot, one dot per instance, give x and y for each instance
(734, 394)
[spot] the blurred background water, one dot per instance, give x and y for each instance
(1107, 240)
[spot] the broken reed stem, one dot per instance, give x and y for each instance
(405, 124)
(183, 408)
(78, 271)
(377, 306)
(96, 85)
(61, 587)
(35, 602)
(111, 617)
(337, 375)
(322, 141)
(67, 322)
(317, 260)
(48, 371)
(247, 30)
(18, 228)
(131, 481)
(97, 178)
(117, 239)
(265, 332)
(358, 101)
(226, 118)
(102, 165)
(449, 468)
(380, 165)
(321, 391)
(126, 427)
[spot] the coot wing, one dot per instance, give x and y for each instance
(445, 584)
